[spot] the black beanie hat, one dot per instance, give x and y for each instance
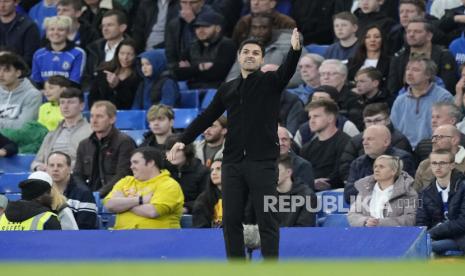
(33, 188)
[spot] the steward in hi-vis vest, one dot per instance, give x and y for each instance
(33, 211)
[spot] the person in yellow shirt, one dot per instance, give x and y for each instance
(150, 199)
(49, 112)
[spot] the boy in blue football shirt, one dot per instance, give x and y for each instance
(60, 56)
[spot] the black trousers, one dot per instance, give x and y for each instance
(254, 179)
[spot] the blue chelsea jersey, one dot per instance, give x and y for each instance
(68, 63)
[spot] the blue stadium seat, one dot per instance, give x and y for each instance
(186, 221)
(131, 119)
(98, 201)
(86, 101)
(332, 202)
(16, 164)
(13, 197)
(317, 49)
(136, 134)
(336, 220)
(107, 220)
(183, 85)
(9, 182)
(184, 116)
(208, 97)
(190, 99)
(284, 6)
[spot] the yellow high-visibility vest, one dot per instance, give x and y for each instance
(35, 223)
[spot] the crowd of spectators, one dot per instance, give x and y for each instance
(378, 113)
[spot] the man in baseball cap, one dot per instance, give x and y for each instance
(33, 211)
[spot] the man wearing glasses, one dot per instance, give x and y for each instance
(373, 114)
(445, 137)
(442, 204)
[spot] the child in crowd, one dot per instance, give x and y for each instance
(345, 28)
(155, 88)
(60, 56)
(49, 112)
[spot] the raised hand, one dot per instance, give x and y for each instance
(295, 40)
(171, 155)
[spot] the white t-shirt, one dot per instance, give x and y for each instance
(379, 198)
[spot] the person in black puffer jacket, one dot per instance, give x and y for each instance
(188, 171)
(377, 113)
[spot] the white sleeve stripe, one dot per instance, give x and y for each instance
(78, 205)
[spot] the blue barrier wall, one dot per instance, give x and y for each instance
(296, 243)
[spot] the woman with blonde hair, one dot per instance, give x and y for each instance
(61, 208)
(386, 198)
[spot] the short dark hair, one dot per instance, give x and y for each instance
(189, 150)
(348, 16)
(444, 151)
(420, 4)
(223, 121)
(120, 16)
(329, 106)
(375, 109)
(285, 160)
(151, 154)
(76, 4)
(9, 60)
(72, 92)
(59, 80)
(252, 41)
(371, 72)
(67, 157)
(426, 24)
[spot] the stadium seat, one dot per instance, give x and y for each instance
(317, 49)
(284, 6)
(13, 197)
(336, 220)
(184, 116)
(207, 98)
(98, 201)
(131, 119)
(9, 182)
(183, 85)
(136, 134)
(107, 220)
(86, 101)
(186, 221)
(190, 99)
(16, 164)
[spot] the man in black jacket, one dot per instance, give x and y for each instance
(210, 56)
(79, 197)
(179, 32)
(373, 114)
(298, 199)
(443, 204)
(251, 148)
(114, 25)
(18, 33)
(151, 21)
(419, 35)
(103, 158)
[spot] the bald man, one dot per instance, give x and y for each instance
(376, 142)
(445, 137)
